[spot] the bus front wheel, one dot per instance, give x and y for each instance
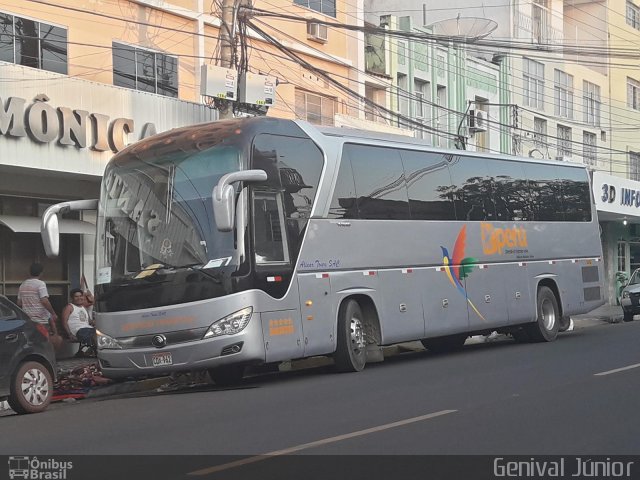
(351, 352)
(545, 328)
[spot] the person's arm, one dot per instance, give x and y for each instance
(65, 320)
(88, 298)
(52, 320)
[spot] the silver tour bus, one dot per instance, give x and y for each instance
(260, 240)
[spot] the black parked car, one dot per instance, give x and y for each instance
(27, 360)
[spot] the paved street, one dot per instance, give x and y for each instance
(493, 398)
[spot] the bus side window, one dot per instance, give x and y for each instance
(472, 193)
(546, 193)
(293, 166)
(343, 202)
(429, 185)
(576, 194)
(269, 239)
(510, 190)
(380, 184)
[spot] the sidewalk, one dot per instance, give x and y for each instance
(605, 313)
(65, 368)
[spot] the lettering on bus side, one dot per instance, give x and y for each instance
(320, 264)
(163, 322)
(494, 240)
(118, 190)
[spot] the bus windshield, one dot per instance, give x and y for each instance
(156, 213)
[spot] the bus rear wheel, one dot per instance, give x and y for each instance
(545, 328)
(228, 375)
(449, 343)
(351, 352)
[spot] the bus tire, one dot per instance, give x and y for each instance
(450, 343)
(565, 323)
(31, 388)
(545, 328)
(227, 375)
(351, 351)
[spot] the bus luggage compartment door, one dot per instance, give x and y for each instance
(317, 317)
(486, 286)
(282, 335)
(445, 307)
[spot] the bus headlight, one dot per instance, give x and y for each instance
(105, 342)
(231, 324)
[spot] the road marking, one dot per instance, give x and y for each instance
(317, 443)
(618, 370)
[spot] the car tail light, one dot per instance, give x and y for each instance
(43, 330)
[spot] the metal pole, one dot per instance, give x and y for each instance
(227, 39)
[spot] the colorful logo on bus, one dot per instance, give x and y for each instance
(498, 241)
(458, 267)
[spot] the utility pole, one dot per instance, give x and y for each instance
(227, 43)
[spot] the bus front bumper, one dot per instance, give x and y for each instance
(246, 347)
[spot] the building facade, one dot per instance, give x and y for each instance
(80, 81)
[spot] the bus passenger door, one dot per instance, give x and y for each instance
(445, 306)
(317, 317)
(273, 275)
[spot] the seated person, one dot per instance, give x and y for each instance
(75, 320)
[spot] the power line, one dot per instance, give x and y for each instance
(597, 148)
(345, 89)
(575, 121)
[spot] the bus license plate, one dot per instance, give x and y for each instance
(160, 359)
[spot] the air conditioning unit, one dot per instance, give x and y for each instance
(477, 121)
(317, 32)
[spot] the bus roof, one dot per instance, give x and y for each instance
(349, 133)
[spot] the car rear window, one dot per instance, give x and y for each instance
(7, 313)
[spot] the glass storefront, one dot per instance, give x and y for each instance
(19, 250)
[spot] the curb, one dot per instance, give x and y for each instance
(597, 319)
(131, 386)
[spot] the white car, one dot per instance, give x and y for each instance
(630, 297)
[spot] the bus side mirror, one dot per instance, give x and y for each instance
(223, 196)
(50, 230)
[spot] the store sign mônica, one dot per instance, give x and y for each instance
(43, 123)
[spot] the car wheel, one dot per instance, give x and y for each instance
(31, 388)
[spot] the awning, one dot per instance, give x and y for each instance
(32, 225)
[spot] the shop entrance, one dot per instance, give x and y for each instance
(18, 250)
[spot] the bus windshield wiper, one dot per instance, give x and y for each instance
(178, 267)
(192, 266)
